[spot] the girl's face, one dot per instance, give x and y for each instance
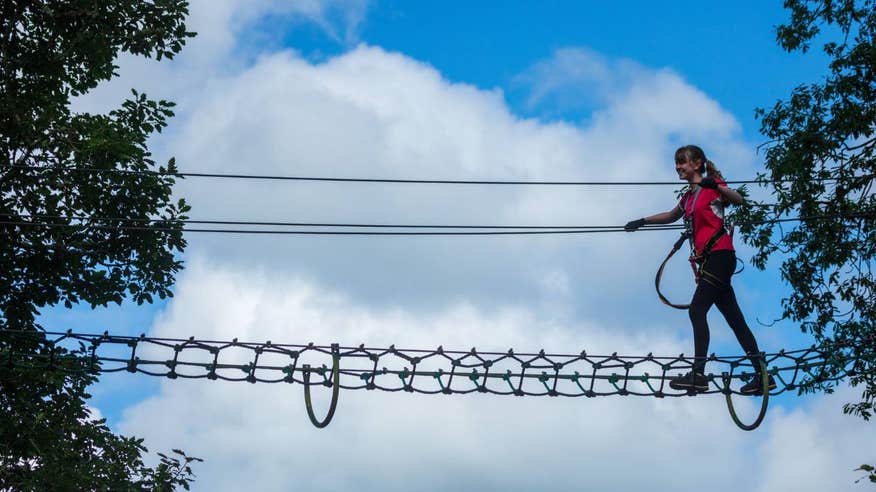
(688, 169)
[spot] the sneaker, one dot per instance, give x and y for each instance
(694, 381)
(754, 386)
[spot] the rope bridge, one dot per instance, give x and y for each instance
(436, 371)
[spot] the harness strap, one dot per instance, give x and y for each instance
(697, 261)
(684, 237)
(690, 204)
(712, 242)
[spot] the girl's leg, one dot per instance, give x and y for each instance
(729, 307)
(713, 285)
(723, 263)
(705, 295)
(702, 300)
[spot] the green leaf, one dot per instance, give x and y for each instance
(47, 59)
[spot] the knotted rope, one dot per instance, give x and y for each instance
(411, 370)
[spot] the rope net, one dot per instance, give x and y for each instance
(391, 369)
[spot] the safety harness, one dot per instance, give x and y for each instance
(697, 258)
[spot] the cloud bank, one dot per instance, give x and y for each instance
(249, 105)
(258, 435)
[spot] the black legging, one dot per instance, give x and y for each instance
(714, 288)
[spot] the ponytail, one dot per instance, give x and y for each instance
(709, 169)
(693, 152)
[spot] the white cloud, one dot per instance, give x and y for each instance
(230, 34)
(373, 113)
(574, 76)
(94, 414)
(257, 436)
(370, 113)
(828, 444)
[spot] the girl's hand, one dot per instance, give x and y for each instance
(634, 224)
(709, 183)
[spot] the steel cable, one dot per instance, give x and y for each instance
(400, 181)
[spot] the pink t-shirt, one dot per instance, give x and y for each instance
(708, 217)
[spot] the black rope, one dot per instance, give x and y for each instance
(319, 233)
(161, 225)
(124, 221)
(392, 369)
(406, 181)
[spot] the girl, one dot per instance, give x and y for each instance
(703, 210)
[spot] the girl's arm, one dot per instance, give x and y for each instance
(727, 194)
(730, 195)
(665, 217)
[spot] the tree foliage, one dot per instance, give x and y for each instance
(870, 470)
(53, 443)
(820, 164)
(71, 170)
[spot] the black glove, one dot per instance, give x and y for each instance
(709, 183)
(634, 224)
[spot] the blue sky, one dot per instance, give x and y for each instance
(499, 90)
(726, 49)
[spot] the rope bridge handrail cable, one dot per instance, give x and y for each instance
(391, 369)
(167, 225)
(122, 221)
(464, 231)
(401, 180)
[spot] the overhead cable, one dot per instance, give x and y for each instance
(406, 181)
(312, 224)
(162, 225)
(324, 232)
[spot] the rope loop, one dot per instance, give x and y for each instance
(684, 237)
(336, 386)
(765, 391)
(578, 374)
